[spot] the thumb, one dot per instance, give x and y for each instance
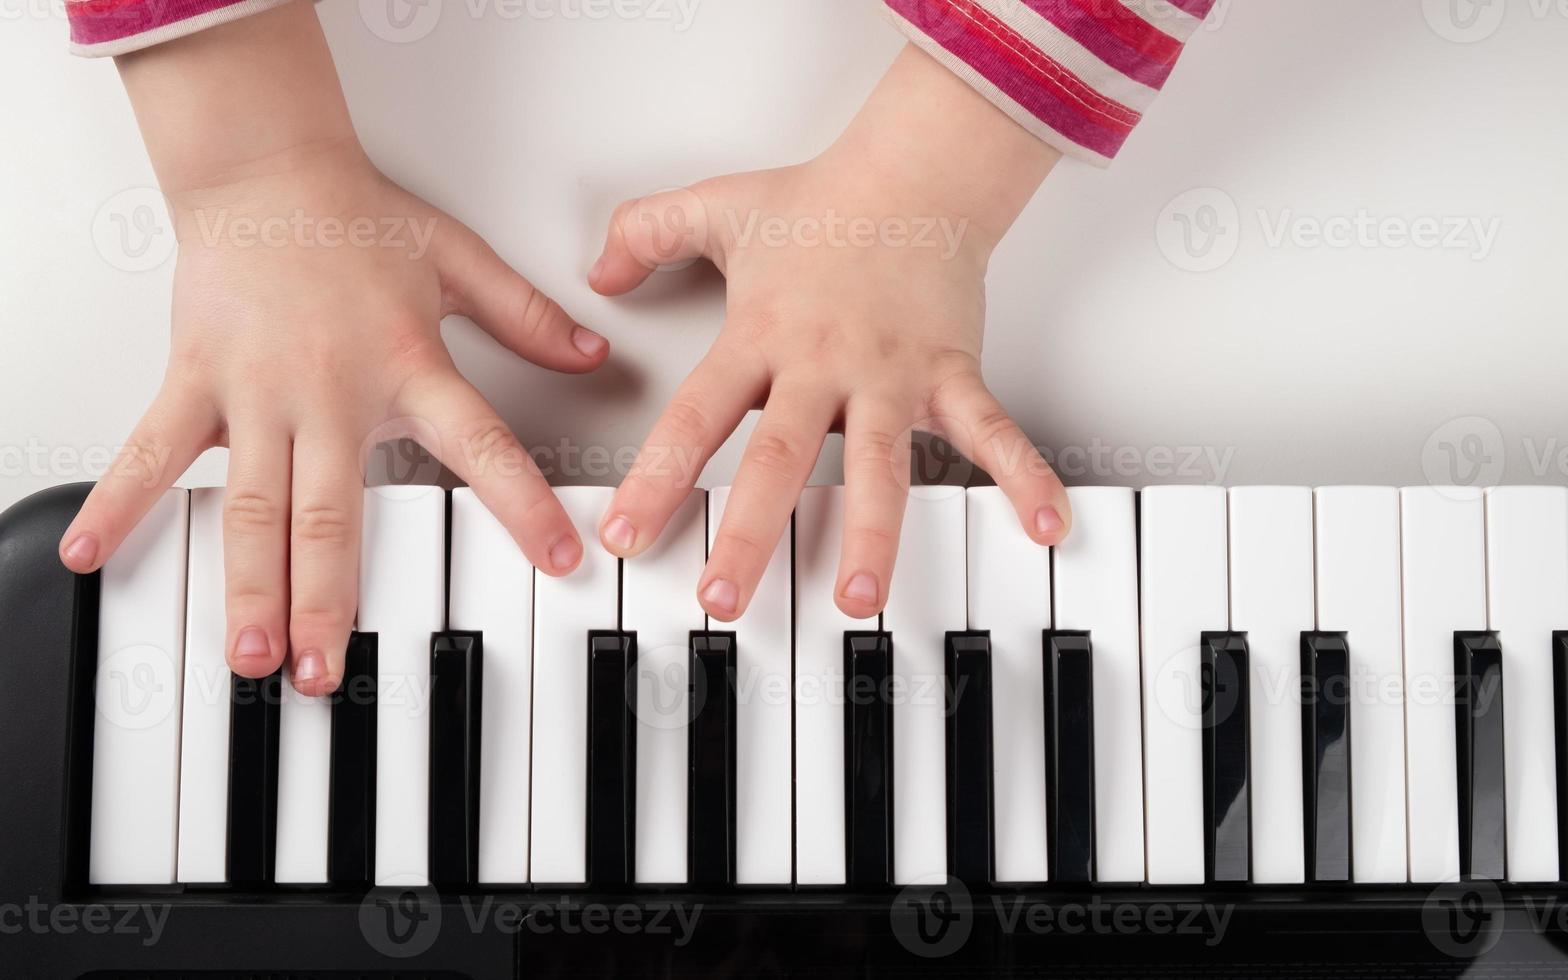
(663, 231)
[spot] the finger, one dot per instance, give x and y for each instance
(980, 428)
(480, 448)
(648, 233)
(324, 535)
(510, 309)
(876, 479)
(256, 549)
(776, 465)
(178, 427)
(705, 410)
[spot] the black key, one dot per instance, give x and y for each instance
(1325, 754)
(1478, 715)
(254, 706)
(612, 758)
(711, 743)
(351, 823)
(456, 694)
(1227, 802)
(868, 759)
(1560, 695)
(971, 856)
(1069, 755)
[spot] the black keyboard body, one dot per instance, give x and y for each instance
(54, 924)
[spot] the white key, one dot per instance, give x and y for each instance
(1096, 589)
(764, 763)
(136, 734)
(1184, 585)
(492, 592)
(1443, 537)
(204, 729)
(566, 610)
(304, 784)
(1010, 595)
(819, 688)
(1527, 599)
(927, 597)
(1271, 600)
(1358, 588)
(402, 599)
(659, 603)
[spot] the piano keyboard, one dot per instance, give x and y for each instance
(1254, 686)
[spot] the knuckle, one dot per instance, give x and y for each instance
(538, 314)
(994, 427)
(489, 447)
(776, 456)
(872, 451)
(322, 524)
(687, 421)
(248, 512)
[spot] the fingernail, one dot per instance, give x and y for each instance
(1047, 521)
(590, 343)
(565, 553)
(252, 643)
(620, 535)
(82, 551)
(722, 595)
(862, 587)
(311, 666)
(596, 271)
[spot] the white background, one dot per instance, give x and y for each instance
(1287, 363)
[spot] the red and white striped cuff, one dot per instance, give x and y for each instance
(1076, 73)
(102, 28)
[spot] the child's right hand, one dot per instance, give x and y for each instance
(299, 346)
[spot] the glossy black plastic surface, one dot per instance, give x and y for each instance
(1478, 717)
(255, 709)
(1069, 755)
(456, 699)
(1325, 749)
(1227, 796)
(612, 758)
(351, 820)
(970, 830)
(711, 743)
(868, 759)
(1560, 697)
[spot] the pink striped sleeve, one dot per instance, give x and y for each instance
(112, 27)
(1076, 73)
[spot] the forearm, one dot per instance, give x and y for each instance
(928, 136)
(247, 99)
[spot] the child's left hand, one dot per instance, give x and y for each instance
(856, 304)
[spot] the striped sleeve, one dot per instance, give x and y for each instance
(101, 28)
(1078, 74)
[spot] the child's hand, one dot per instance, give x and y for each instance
(298, 342)
(856, 303)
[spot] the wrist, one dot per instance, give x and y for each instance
(252, 99)
(927, 136)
